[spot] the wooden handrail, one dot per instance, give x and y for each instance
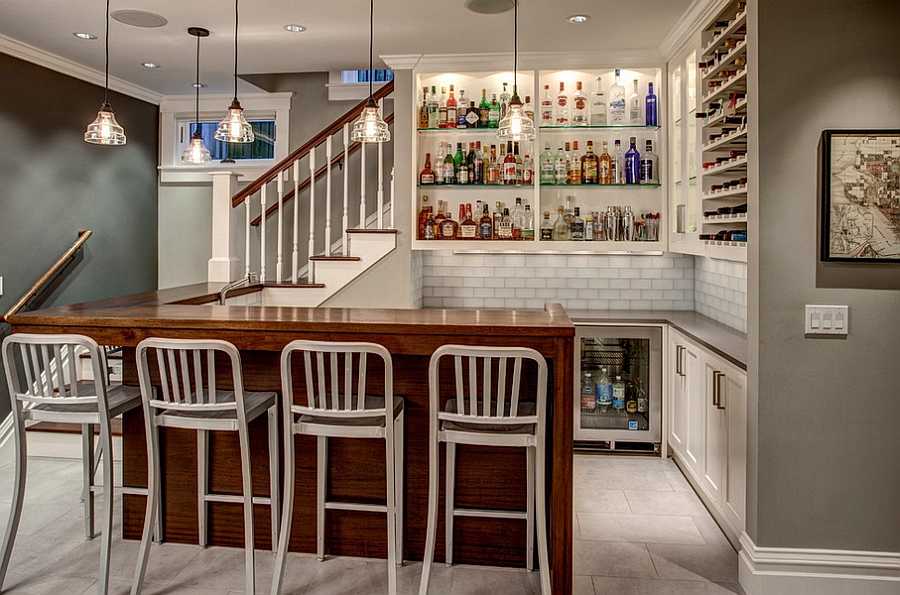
(319, 173)
(51, 272)
(308, 146)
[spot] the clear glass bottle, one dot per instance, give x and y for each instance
(438, 167)
(579, 106)
(546, 228)
(561, 107)
(506, 226)
(442, 109)
(617, 115)
(547, 107)
(649, 165)
(559, 166)
(643, 403)
(560, 228)
(617, 165)
(548, 169)
(527, 170)
(604, 166)
(588, 399)
(528, 224)
(588, 229)
(518, 219)
(603, 389)
(618, 394)
(495, 174)
(528, 108)
(509, 166)
(433, 109)
(504, 101)
(632, 164)
(651, 111)
(497, 216)
(635, 113)
(576, 230)
(598, 105)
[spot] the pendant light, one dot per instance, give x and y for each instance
(370, 127)
(235, 128)
(104, 130)
(197, 152)
(515, 125)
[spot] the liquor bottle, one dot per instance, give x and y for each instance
(470, 164)
(649, 166)
(617, 103)
(643, 402)
(459, 163)
(519, 163)
(494, 112)
(588, 400)
(504, 101)
(527, 170)
(518, 219)
(438, 219)
(497, 217)
(560, 229)
(631, 403)
(433, 109)
(548, 169)
(439, 165)
(468, 229)
(486, 225)
(423, 216)
(618, 394)
(576, 231)
(632, 164)
(461, 110)
(448, 229)
(528, 108)
(442, 109)
(590, 164)
(472, 116)
(635, 117)
(546, 228)
(568, 215)
(588, 229)
(579, 106)
(426, 176)
(651, 108)
(598, 106)
(604, 391)
(617, 165)
(430, 227)
(478, 165)
(561, 108)
(485, 165)
(484, 110)
(506, 226)
(495, 174)
(448, 168)
(559, 166)
(568, 153)
(599, 234)
(509, 167)
(575, 165)
(423, 110)
(528, 224)
(604, 166)
(547, 107)
(451, 110)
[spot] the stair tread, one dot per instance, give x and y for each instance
(303, 284)
(336, 258)
(371, 231)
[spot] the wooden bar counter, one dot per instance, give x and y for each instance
(356, 466)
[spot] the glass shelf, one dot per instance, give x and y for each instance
(601, 185)
(621, 127)
(449, 130)
(465, 186)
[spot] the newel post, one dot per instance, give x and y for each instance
(224, 266)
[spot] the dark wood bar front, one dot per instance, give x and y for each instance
(487, 478)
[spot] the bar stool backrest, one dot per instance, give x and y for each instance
(495, 400)
(323, 386)
(187, 375)
(47, 369)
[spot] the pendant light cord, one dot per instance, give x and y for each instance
(515, 43)
(197, 90)
(106, 79)
(235, 47)
(371, 35)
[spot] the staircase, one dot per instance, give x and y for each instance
(310, 227)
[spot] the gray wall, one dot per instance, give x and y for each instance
(53, 184)
(825, 465)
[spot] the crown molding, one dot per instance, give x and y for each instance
(695, 18)
(29, 53)
(526, 61)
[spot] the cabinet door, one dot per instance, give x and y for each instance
(715, 446)
(734, 399)
(679, 394)
(693, 366)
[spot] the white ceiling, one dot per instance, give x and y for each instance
(336, 38)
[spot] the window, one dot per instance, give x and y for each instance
(262, 148)
(362, 76)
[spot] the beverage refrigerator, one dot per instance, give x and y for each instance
(618, 387)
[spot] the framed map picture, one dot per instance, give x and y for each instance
(861, 196)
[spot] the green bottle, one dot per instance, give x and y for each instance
(484, 111)
(494, 112)
(462, 170)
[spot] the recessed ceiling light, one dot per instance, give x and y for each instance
(295, 28)
(149, 64)
(139, 18)
(489, 6)
(579, 18)
(84, 36)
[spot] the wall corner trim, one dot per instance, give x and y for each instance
(787, 571)
(697, 15)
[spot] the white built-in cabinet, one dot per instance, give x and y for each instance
(708, 427)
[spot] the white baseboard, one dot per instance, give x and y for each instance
(795, 571)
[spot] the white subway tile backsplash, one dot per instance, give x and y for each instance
(514, 282)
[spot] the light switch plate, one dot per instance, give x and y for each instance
(827, 320)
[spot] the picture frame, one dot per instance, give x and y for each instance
(860, 190)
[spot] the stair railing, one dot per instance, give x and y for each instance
(50, 274)
(284, 179)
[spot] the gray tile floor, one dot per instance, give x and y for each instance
(640, 530)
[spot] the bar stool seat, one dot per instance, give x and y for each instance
(42, 377)
(189, 399)
(491, 416)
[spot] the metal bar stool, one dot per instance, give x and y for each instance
(189, 399)
(498, 417)
(331, 411)
(42, 376)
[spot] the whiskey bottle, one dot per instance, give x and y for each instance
(438, 219)
(590, 164)
(495, 175)
(651, 108)
(448, 229)
(428, 232)
(561, 108)
(632, 164)
(575, 165)
(547, 107)
(486, 225)
(546, 228)
(461, 110)
(506, 226)
(528, 224)
(598, 106)
(426, 176)
(568, 153)
(451, 109)
(468, 229)
(518, 219)
(560, 229)
(579, 107)
(617, 103)
(634, 101)
(423, 110)
(576, 231)
(423, 216)
(604, 166)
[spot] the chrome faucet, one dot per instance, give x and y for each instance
(250, 279)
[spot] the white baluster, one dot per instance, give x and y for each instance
(380, 194)
(362, 185)
(327, 197)
(262, 234)
(280, 249)
(247, 238)
(295, 255)
(392, 198)
(345, 221)
(312, 213)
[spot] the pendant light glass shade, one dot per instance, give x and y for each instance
(515, 125)
(370, 127)
(197, 152)
(104, 130)
(235, 128)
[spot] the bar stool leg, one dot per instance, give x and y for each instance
(399, 425)
(287, 513)
(274, 487)
(321, 487)
(529, 507)
(449, 502)
(15, 510)
(202, 485)
(108, 495)
(249, 545)
(153, 501)
(87, 472)
(540, 504)
(391, 507)
(431, 528)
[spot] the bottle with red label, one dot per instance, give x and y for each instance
(509, 166)
(579, 107)
(561, 107)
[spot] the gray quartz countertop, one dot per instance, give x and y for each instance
(721, 339)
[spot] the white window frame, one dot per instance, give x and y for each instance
(175, 108)
(338, 90)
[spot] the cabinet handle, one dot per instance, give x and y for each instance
(715, 388)
(678, 367)
(719, 402)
